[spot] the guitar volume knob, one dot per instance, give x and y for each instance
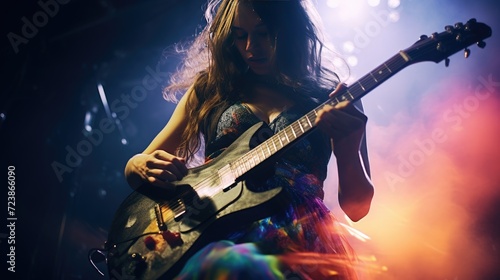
(137, 266)
(459, 25)
(150, 243)
(173, 238)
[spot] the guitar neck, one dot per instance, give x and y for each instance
(306, 123)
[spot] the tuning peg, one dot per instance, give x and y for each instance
(423, 37)
(449, 28)
(481, 44)
(470, 24)
(472, 21)
(466, 52)
(447, 62)
(440, 47)
(459, 25)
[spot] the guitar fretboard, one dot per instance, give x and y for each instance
(306, 123)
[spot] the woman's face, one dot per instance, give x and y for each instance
(251, 38)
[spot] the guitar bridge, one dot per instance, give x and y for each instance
(159, 218)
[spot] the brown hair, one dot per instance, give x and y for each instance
(212, 67)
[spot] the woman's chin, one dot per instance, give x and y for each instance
(261, 70)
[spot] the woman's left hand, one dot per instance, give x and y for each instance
(344, 123)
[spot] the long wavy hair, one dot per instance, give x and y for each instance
(214, 70)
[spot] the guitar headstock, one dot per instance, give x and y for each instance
(440, 46)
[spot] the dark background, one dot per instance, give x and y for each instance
(48, 87)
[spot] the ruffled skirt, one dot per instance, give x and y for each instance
(304, 241)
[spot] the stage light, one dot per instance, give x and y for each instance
(348, 47)
(373, 3)
(333, 3)
(348, 11)
(87, 122)
(352, 60)
(3, 117)
(89, 119)
(102, 193)
(111, 115)
(352, 10)
(338, 62)
(393, 3)
(104, 100)
(394, 16)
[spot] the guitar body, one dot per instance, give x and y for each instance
(154, 233)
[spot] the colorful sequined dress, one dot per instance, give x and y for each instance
(301, 241)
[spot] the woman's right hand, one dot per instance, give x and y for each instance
(158, 169)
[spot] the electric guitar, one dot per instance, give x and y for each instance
(154, 233)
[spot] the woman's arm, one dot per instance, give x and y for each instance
(355, 188)
(157, 164)
(345, 125)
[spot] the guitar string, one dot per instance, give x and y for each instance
(201, 186)
(354, 91)
(295, 125)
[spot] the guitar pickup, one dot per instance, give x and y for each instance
(226, 177)
(159, 218)
(180, 210)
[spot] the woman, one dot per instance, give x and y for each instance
(262, 61)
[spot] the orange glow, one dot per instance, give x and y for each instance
(436, 171)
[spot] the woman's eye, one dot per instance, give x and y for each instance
(240, 36)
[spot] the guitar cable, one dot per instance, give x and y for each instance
(99, 255)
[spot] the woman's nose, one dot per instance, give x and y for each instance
(251, 43)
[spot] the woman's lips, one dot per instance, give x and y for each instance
(257, 61)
